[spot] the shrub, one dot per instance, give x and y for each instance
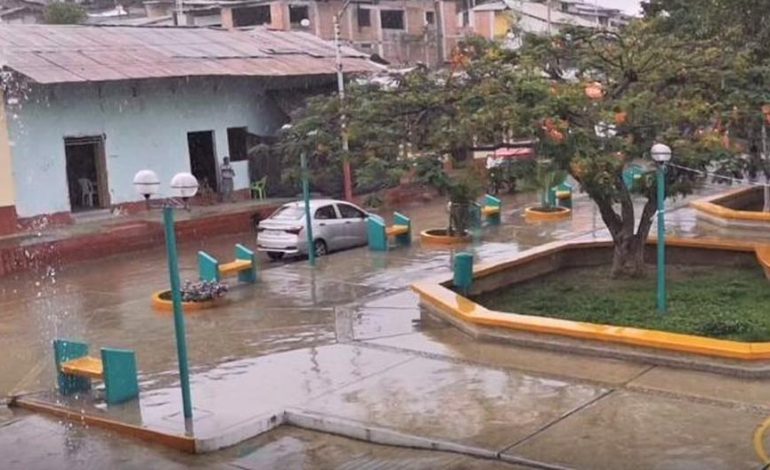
(64, 13)
(203, 290)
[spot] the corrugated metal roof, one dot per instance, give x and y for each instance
(57, 54)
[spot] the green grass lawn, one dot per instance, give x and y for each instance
(726, 303)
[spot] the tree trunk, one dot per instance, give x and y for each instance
(628, 254)
(628, 257)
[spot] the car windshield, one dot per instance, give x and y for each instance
(289, 213)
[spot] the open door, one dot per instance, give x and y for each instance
(86, 173)
(203, 162)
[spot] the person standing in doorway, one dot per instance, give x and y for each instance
(228, 174)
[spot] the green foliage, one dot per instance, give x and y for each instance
(719, 302)
(375, 174)
(738, 30)
(656, 84)
(64, 13)
(429, 171)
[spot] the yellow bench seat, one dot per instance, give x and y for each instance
(490, 210)
(84, 367)
(234, 267)
(395, 230)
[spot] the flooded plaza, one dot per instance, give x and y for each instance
(344, 347)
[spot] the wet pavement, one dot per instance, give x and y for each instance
(348, 340)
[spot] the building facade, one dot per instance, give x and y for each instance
(402, 32)
(76, 126)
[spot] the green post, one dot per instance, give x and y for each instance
(661, 182)
(463, 271)
(176, 297)
(308, 219)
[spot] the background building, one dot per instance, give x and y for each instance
(87, 107)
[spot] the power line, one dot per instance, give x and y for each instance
(718, 176)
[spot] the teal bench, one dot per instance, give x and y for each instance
(491, 209)
(75, 369)
(378, 233)
(245, 266)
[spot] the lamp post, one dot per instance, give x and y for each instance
(348, 180)
(661, 153)
(305, 175)
(184, 186)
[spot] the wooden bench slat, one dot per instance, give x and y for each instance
(394, 230)
(490, 210)
(84, 367)
(234, 267)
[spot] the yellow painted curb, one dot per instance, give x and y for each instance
(445, 300)
(711, 205)
(182, 443)
(759, 444)
(162, 305)
(431, 239)
(531, 214)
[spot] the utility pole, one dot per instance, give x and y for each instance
(439, 20)
(348, 179)
(548, 16)
(766, 206)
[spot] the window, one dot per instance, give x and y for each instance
(251, 16)
(325, 213)
(364, 17)
(430, 17)
(392, 19)
(466, 18)
(236, 143)
(297, 13)
(350, 212)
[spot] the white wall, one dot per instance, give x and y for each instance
(145, 126)
(241, 180)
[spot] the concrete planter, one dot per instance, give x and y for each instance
(439, 237)
(161, 301)
(551, 214)
(660, 346)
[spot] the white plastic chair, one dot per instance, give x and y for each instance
(87, 192)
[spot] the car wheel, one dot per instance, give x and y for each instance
(320, 248)
(275, 255)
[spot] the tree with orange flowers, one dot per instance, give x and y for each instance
(594, 101)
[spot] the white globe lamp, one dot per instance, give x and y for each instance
(146, 184)
(661, 153)
(184, 185)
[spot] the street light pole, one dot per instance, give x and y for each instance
(661, 176)
(176, 298)
(661, 154)
(306, 197)
(348, 179)
(183, 185)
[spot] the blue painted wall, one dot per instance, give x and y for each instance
(145, 124)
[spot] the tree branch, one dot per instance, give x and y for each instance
(626, 205)
(645, 222)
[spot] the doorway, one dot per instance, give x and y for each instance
(203, 163)
(86, 173)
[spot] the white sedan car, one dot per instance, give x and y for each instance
(336, 225)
